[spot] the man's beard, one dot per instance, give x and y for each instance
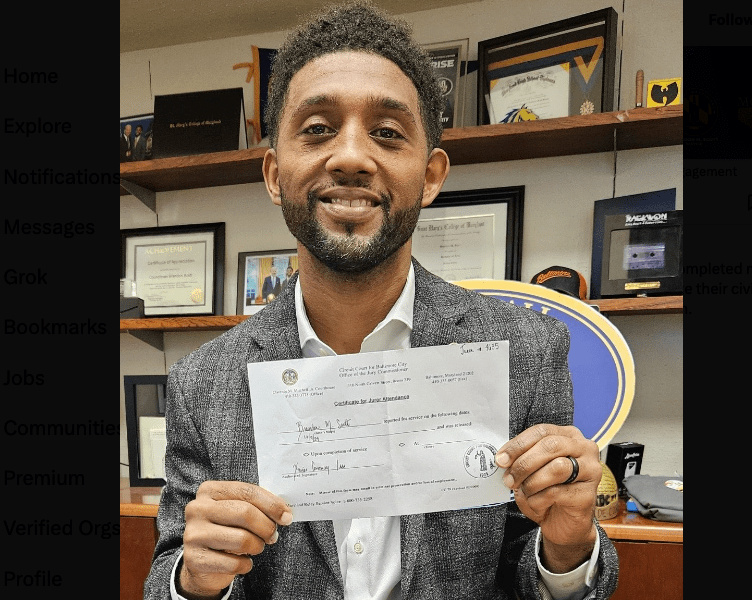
(348, 252)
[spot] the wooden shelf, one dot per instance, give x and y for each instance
(601, 132)
(633, 526)
(652, 305)
(610, 306)
(181, 323)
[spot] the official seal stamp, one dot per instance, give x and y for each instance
(480, 460)
(289, 376)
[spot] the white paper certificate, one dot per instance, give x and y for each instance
(543, 91)
(383, 433)
(456, 248)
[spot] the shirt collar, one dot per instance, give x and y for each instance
(393, 333)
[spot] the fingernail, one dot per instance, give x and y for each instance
(502, 460)
(508, 480)
(286, 518)
(275, 537)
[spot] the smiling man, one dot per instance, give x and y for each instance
(354, 121)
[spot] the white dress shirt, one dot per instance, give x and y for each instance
(369, 549)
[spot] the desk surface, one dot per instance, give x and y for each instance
(144, 502)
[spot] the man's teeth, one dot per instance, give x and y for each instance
(356, 203)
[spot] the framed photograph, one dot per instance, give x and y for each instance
(262, 276)
(145, 400)
(136, 138)
(447, 59)
(555, 70)
(472, 234)
(178, 270)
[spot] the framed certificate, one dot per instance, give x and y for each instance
(472, 234)
(177, 270)
(145, 401)
(448, 59)
(555, 70)
(262, 276)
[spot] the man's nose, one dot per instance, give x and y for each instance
(352, 153)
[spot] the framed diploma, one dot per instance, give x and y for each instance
(145, 400)
(555, 70)
(177, 270)
(472, 234)
(447, 59)
(262, 276)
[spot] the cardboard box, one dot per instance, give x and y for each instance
(624, 459)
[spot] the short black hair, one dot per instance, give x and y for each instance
(355, 26)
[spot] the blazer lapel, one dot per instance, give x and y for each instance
(411, 533)
(323, 533)
(437, 314)
(275, 337)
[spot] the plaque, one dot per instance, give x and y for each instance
(447, 59)
(642, 254)
(178, 270)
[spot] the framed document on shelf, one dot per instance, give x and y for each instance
(178, 270)
(262, 276)
(555, 70)
(145, 401)
(472, 234)
(447, 59)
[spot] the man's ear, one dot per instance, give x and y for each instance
(271, 176)
(437, 170)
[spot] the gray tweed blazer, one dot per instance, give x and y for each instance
(476, 554)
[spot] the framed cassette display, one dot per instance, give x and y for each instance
(556, 70)
(642, 254)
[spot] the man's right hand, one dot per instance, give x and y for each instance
(227, 523)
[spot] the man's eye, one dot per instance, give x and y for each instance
(317, 129)
(386, 133)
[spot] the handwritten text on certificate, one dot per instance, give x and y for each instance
(383, 433)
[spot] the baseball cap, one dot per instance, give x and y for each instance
(562, 279)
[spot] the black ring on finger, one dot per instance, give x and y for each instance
(575, 470)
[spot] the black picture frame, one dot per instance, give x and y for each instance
(249, 266)
(209, 236)
(465, 204)
(586, 43)
(145, 396)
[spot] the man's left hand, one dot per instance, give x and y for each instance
(537, 466)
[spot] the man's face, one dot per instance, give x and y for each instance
(351, 169)
(127, 130)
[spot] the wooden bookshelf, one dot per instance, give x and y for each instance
(651, 305)
(611, 307)
(581, 134)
